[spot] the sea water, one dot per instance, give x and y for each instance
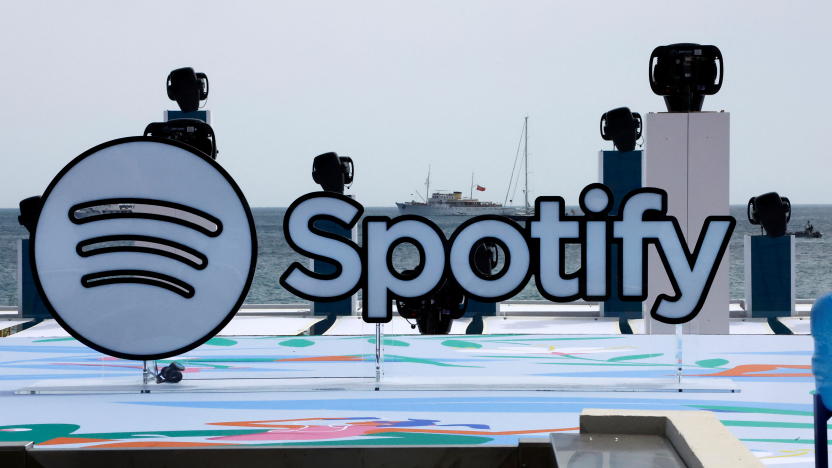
(813, 256)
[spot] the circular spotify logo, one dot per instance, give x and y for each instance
(144, 248)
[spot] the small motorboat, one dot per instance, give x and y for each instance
(808, 232)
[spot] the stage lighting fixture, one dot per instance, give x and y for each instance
(172, 373)
(29, 212)
(771, 211)
(192, 132)
(435, 313)
(685, 73)
(187, 88)
(332, 172)
(622, 127)
(486, 257)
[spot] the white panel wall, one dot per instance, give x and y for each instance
(665, 167)
(687, 155)
(708, 181)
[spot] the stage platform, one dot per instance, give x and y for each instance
(770, 408)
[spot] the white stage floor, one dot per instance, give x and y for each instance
(439, 390)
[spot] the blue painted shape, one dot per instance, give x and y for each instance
(468, 404)
(31, 377)
(199, 115)
(621, 172)
(29, 348)
(822, 359)
(771, 276)
(336, 308)
(31, 304)
(627, 374)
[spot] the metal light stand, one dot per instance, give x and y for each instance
(150, 374)
(679, 355)
(379, 356)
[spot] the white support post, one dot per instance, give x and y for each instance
(687, 155)
(379, 355)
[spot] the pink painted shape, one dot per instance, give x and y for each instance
(302, 433)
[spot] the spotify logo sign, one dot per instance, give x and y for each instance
(144, 248)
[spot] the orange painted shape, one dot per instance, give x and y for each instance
(322, 358)
(147, 444)
(750, 370)
(450, 431)
(72, 440)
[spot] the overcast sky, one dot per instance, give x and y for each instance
(400, 85)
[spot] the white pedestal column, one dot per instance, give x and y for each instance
(687, 155)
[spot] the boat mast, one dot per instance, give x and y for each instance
(427, 186)
(526, 159)
(471, 188)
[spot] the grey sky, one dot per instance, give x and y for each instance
(401, 85)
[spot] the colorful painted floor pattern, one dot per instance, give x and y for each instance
(772, 414)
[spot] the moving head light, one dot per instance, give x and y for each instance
(29, 212)
(622, 127)
(187, 88)
(685, 73)
(171, 373)
(771, 211)
(435, 313)
(332, 172)
(192, 132)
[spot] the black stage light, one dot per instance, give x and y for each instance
(435, 313)
(187, 88)
(622, 127)
(685, 73)
(29, 212)
(193, 132)
(486, 257)
(172, 373)
(332, 172)
(771, 211)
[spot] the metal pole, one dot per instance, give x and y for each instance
(149, 375)
(679, 356)
(379, 356)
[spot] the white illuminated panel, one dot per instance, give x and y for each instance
(144, 249)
